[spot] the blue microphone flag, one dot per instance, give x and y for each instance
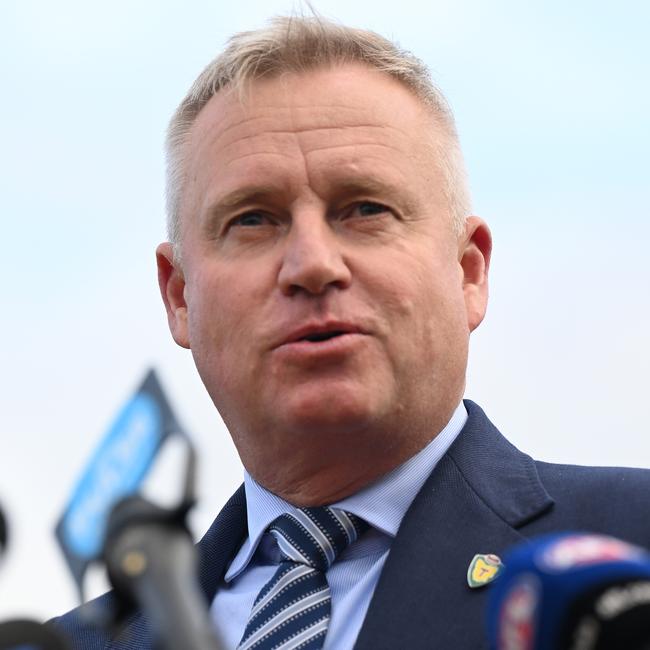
(116, 470)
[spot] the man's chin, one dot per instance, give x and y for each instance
(336, 414)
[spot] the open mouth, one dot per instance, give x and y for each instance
(320, 333)
(322, 336)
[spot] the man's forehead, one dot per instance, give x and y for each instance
(329, 96)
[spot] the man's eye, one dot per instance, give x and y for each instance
(368, 209)
(250, 219)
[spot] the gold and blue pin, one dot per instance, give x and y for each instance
(483, 569)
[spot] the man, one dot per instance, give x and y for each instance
(326, 273)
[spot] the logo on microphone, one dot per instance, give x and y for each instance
(518, 614)
(583, 550)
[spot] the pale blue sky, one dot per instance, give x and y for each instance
(552, 101)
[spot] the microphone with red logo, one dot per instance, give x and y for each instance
(572, 591)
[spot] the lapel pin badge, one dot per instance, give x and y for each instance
(483, 569)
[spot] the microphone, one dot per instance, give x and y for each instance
(3, 532)
(572, 591)
(152, 563)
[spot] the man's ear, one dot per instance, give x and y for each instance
(172, 288)
(474, 252)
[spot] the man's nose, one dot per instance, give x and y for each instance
(313, 260)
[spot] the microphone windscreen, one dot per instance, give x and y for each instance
(572, 590)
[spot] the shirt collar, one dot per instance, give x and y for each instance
(382, 504)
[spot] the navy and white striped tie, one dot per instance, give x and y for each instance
(293, 609)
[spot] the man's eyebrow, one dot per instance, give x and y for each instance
(381, 188)
(242, 195)
(263, 193)
(365, 185)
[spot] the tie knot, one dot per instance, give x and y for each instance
(316, 536)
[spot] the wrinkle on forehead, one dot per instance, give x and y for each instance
(313, 151)
(287, 142)
(251, 131)
(316, 129)
(281, 101)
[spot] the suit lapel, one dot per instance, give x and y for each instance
(473, 502)
(221, 542)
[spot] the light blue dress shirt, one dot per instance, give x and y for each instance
(353, 577)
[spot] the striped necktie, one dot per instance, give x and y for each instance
(293, 609)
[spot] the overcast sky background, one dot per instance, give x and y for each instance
(552, 101)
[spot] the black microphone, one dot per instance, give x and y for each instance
(20, 633)
(572, 591)
(23, 632)
(152, 563)
(3, 532)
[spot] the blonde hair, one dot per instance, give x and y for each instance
(298, 44)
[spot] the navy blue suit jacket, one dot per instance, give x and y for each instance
(483, 497)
